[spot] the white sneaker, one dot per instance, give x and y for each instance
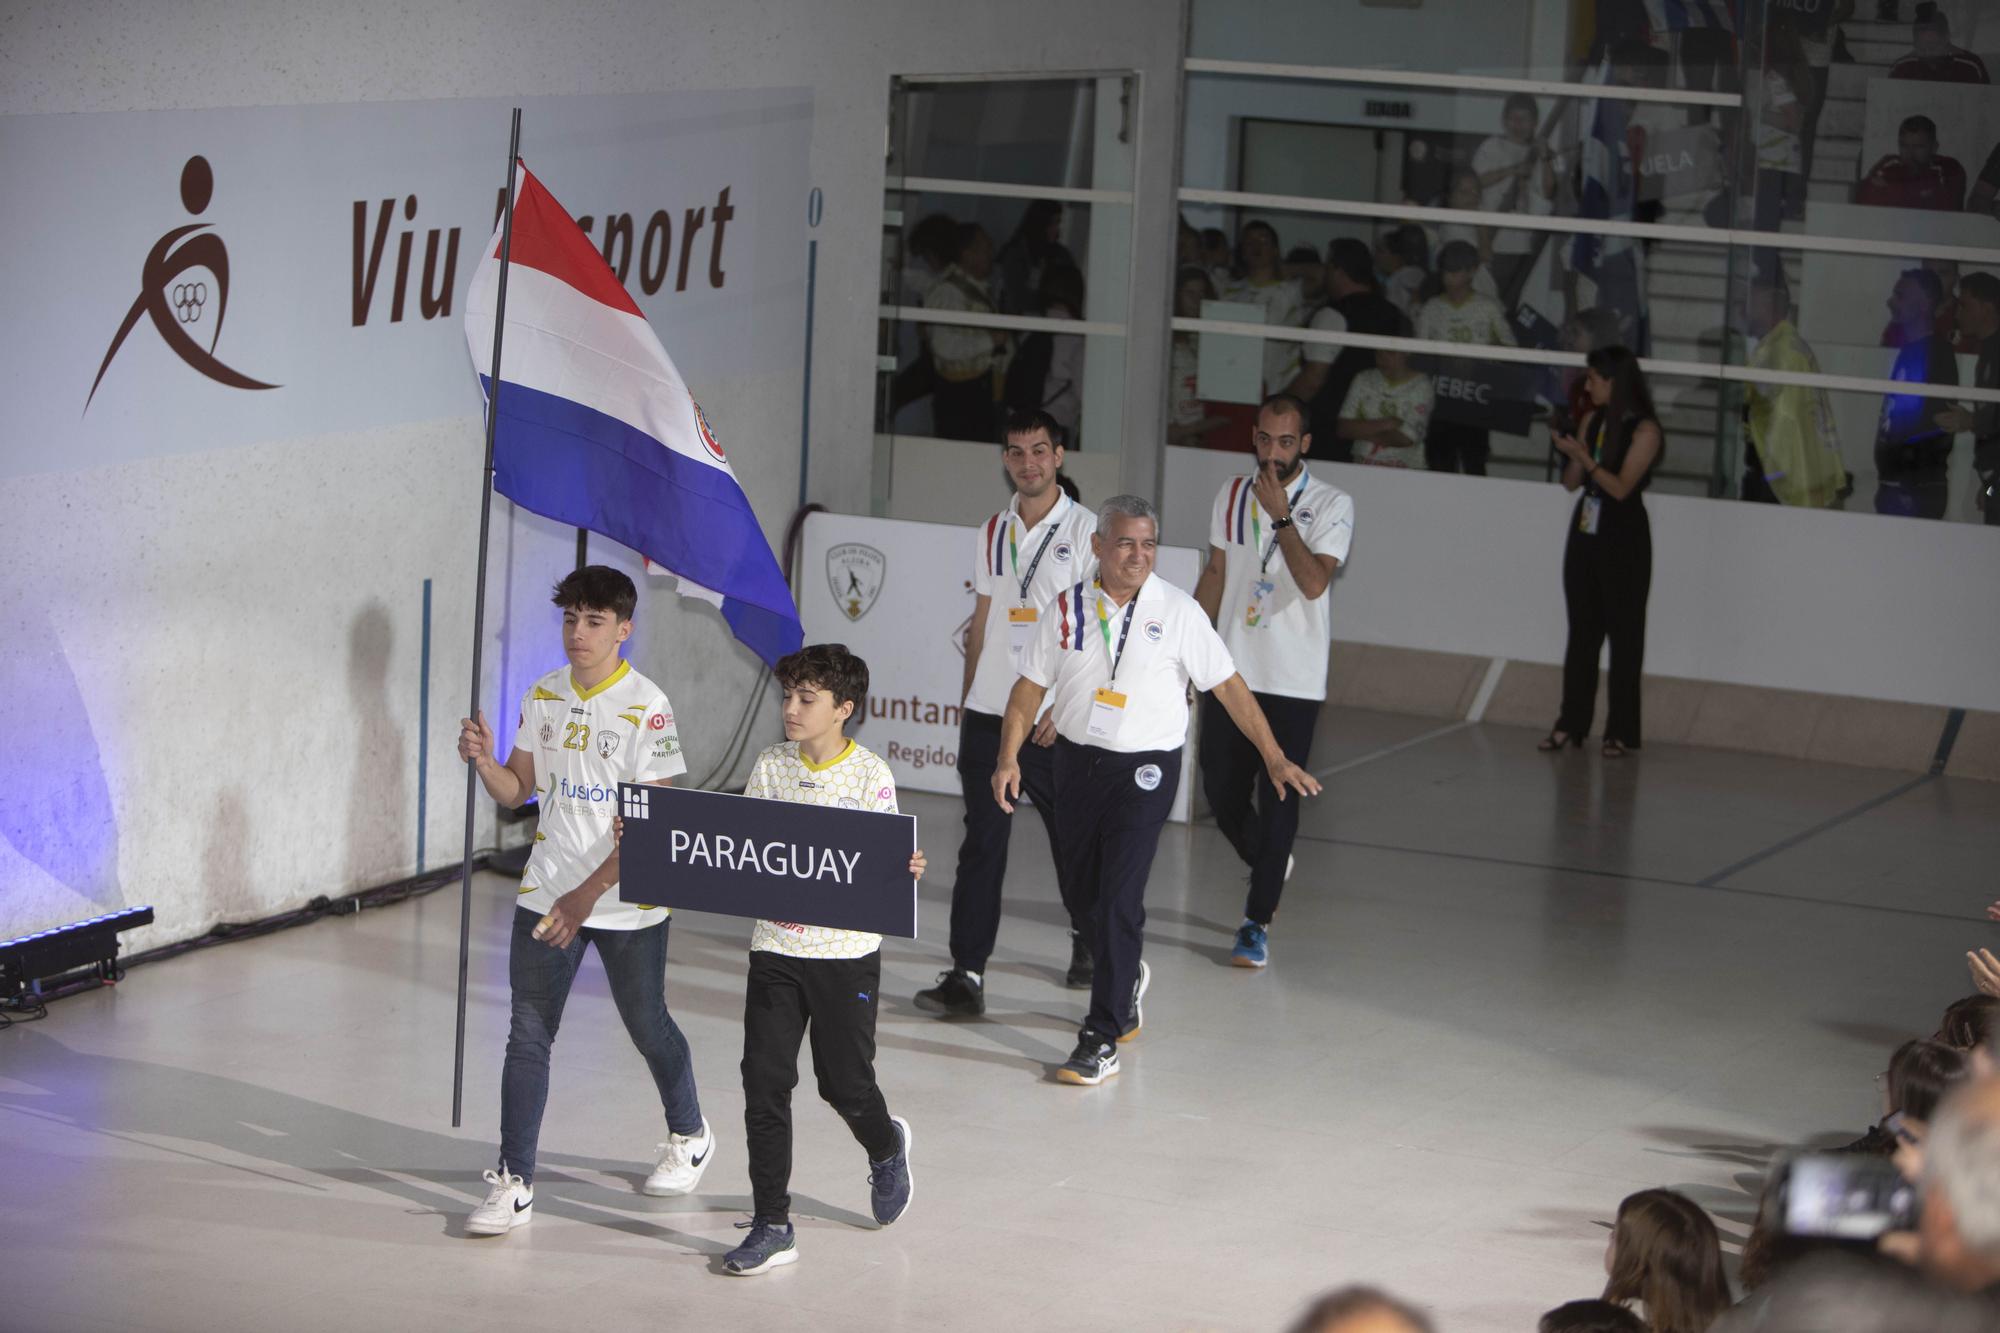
(683, 1157)
(509, 1204)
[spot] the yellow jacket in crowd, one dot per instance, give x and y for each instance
(1792, 426)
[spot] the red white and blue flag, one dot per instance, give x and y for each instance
(596, 429)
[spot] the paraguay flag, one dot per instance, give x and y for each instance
(597, 430)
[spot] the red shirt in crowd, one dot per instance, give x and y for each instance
(1896, 182)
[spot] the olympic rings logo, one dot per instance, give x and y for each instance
(189, 297)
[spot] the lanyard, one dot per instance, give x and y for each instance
(1015, 555)
(1257, 529)
(1104, 628)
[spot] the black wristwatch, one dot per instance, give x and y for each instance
(1278, 523)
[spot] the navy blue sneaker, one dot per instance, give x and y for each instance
(769, 1245)
(1082, 967)
(1253, 945)
(1138, 1003)
(889, 1185)
(1093, 1061)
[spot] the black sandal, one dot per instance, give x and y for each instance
(1615, 750)
(1557, 739)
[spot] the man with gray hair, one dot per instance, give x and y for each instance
(1959, 1232)
(1119, 652)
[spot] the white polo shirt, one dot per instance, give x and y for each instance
(1281, 638)
(1169, 643)
(854, 779)
(1045, 559)
(585, 742)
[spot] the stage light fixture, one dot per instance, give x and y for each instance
(28, 960)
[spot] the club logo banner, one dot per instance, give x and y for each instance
(206, 279)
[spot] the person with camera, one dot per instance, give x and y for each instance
(1608, 560)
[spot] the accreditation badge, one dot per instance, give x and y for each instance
(1253, 614)
(1021, 622)
(1590, 515)
(1107, 710)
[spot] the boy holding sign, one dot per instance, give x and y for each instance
(815, 980)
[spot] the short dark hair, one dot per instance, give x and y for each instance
(597, 588)
(1918, 124)
(1352, 257)
(1981, 287)
(1214, 236)
(1347, 1302)
(1969, 1022)
(935, 238)
(1931, 284)
(968, 232)
(1593, 1316)
(1284, 404)
(1195, 273)
(1409, 244)
(1028, 420)
(1061, 283)
(1919, 1075)
(1458, 257)
(1521, 102)
(1930, 16)
(829, 666)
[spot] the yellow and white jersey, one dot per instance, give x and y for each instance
(855, 779)
(585, 742)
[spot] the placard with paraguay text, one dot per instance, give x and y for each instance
(815, 865)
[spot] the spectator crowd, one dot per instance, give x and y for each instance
(1478, 283)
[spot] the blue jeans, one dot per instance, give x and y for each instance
(635, 962)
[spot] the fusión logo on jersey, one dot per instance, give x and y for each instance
(855, 572)
(177, 307)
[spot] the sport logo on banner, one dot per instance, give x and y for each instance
(181, 251)
(854, 572)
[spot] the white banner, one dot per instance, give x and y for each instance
(202, 279)
(900, 595)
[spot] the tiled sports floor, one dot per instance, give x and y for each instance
(1507, 988)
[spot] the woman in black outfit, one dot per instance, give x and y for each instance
(1608, 563)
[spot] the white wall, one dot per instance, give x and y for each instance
(1835, 603)
(240, 627)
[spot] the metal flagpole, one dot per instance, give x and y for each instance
(479, 615)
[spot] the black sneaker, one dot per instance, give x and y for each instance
(958, 994)
(1081, 966)
(769, 1245)
(889, 1183)
(1093, 1061)
(1138, 1003)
